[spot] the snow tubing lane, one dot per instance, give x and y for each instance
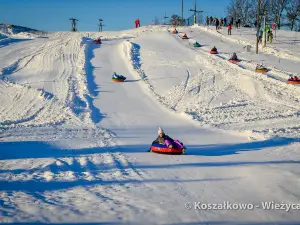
(163, 149)
(293, 82)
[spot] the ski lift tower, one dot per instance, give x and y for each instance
(195, 12)
(73, 21)
(165, 18)
(100, 25)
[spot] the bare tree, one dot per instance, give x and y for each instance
(246, 10)
(176, 20)
(276, 10)
(239, 9)
(293, 13)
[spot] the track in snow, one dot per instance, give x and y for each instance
(69, 173)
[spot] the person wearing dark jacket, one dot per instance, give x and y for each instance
(162, 137)
(217, 24)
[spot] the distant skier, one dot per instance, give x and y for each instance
(115, 76)
(221, 21)
(268, 29)
(229, 29)
(239, 23)
(211, 21)
(217, 24)
(137, 23)
(255, 24)
(234, 57)
(270, 36)
(260, 34)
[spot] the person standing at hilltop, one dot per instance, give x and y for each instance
(137, 23)
(217, 23)
(229, 29)
(225, 22)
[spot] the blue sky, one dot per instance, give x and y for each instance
(53, 15)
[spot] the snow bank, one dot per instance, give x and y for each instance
(270, 49)
(47, 86)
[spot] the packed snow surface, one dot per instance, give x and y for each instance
(74, 145)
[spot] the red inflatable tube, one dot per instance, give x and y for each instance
(293, 82)
(213, 52)
(97, 42)
(234, 60)
(158, 148)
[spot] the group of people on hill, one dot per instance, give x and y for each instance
(218, 23)
(214, 21)
(269, 34)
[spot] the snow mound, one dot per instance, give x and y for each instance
(19, 31)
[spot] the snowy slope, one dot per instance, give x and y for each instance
(74, 144)
(284, 45)
(19, 31)
(216, 92)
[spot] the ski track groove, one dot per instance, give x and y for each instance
(63, 95)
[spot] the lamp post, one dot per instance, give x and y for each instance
(182, 10)
(165, 17)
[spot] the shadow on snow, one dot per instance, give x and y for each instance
(36, 149)
(10, 41)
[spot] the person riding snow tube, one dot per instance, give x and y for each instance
(118, 78)
(98, 41)
(165, 144)
(261, 69)
(214, 50)
(185, 36)
(234, 58)
(197, 45)
(175, 31)
(294, 80)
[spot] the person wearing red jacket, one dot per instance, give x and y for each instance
(229, 28)
(137, 23)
